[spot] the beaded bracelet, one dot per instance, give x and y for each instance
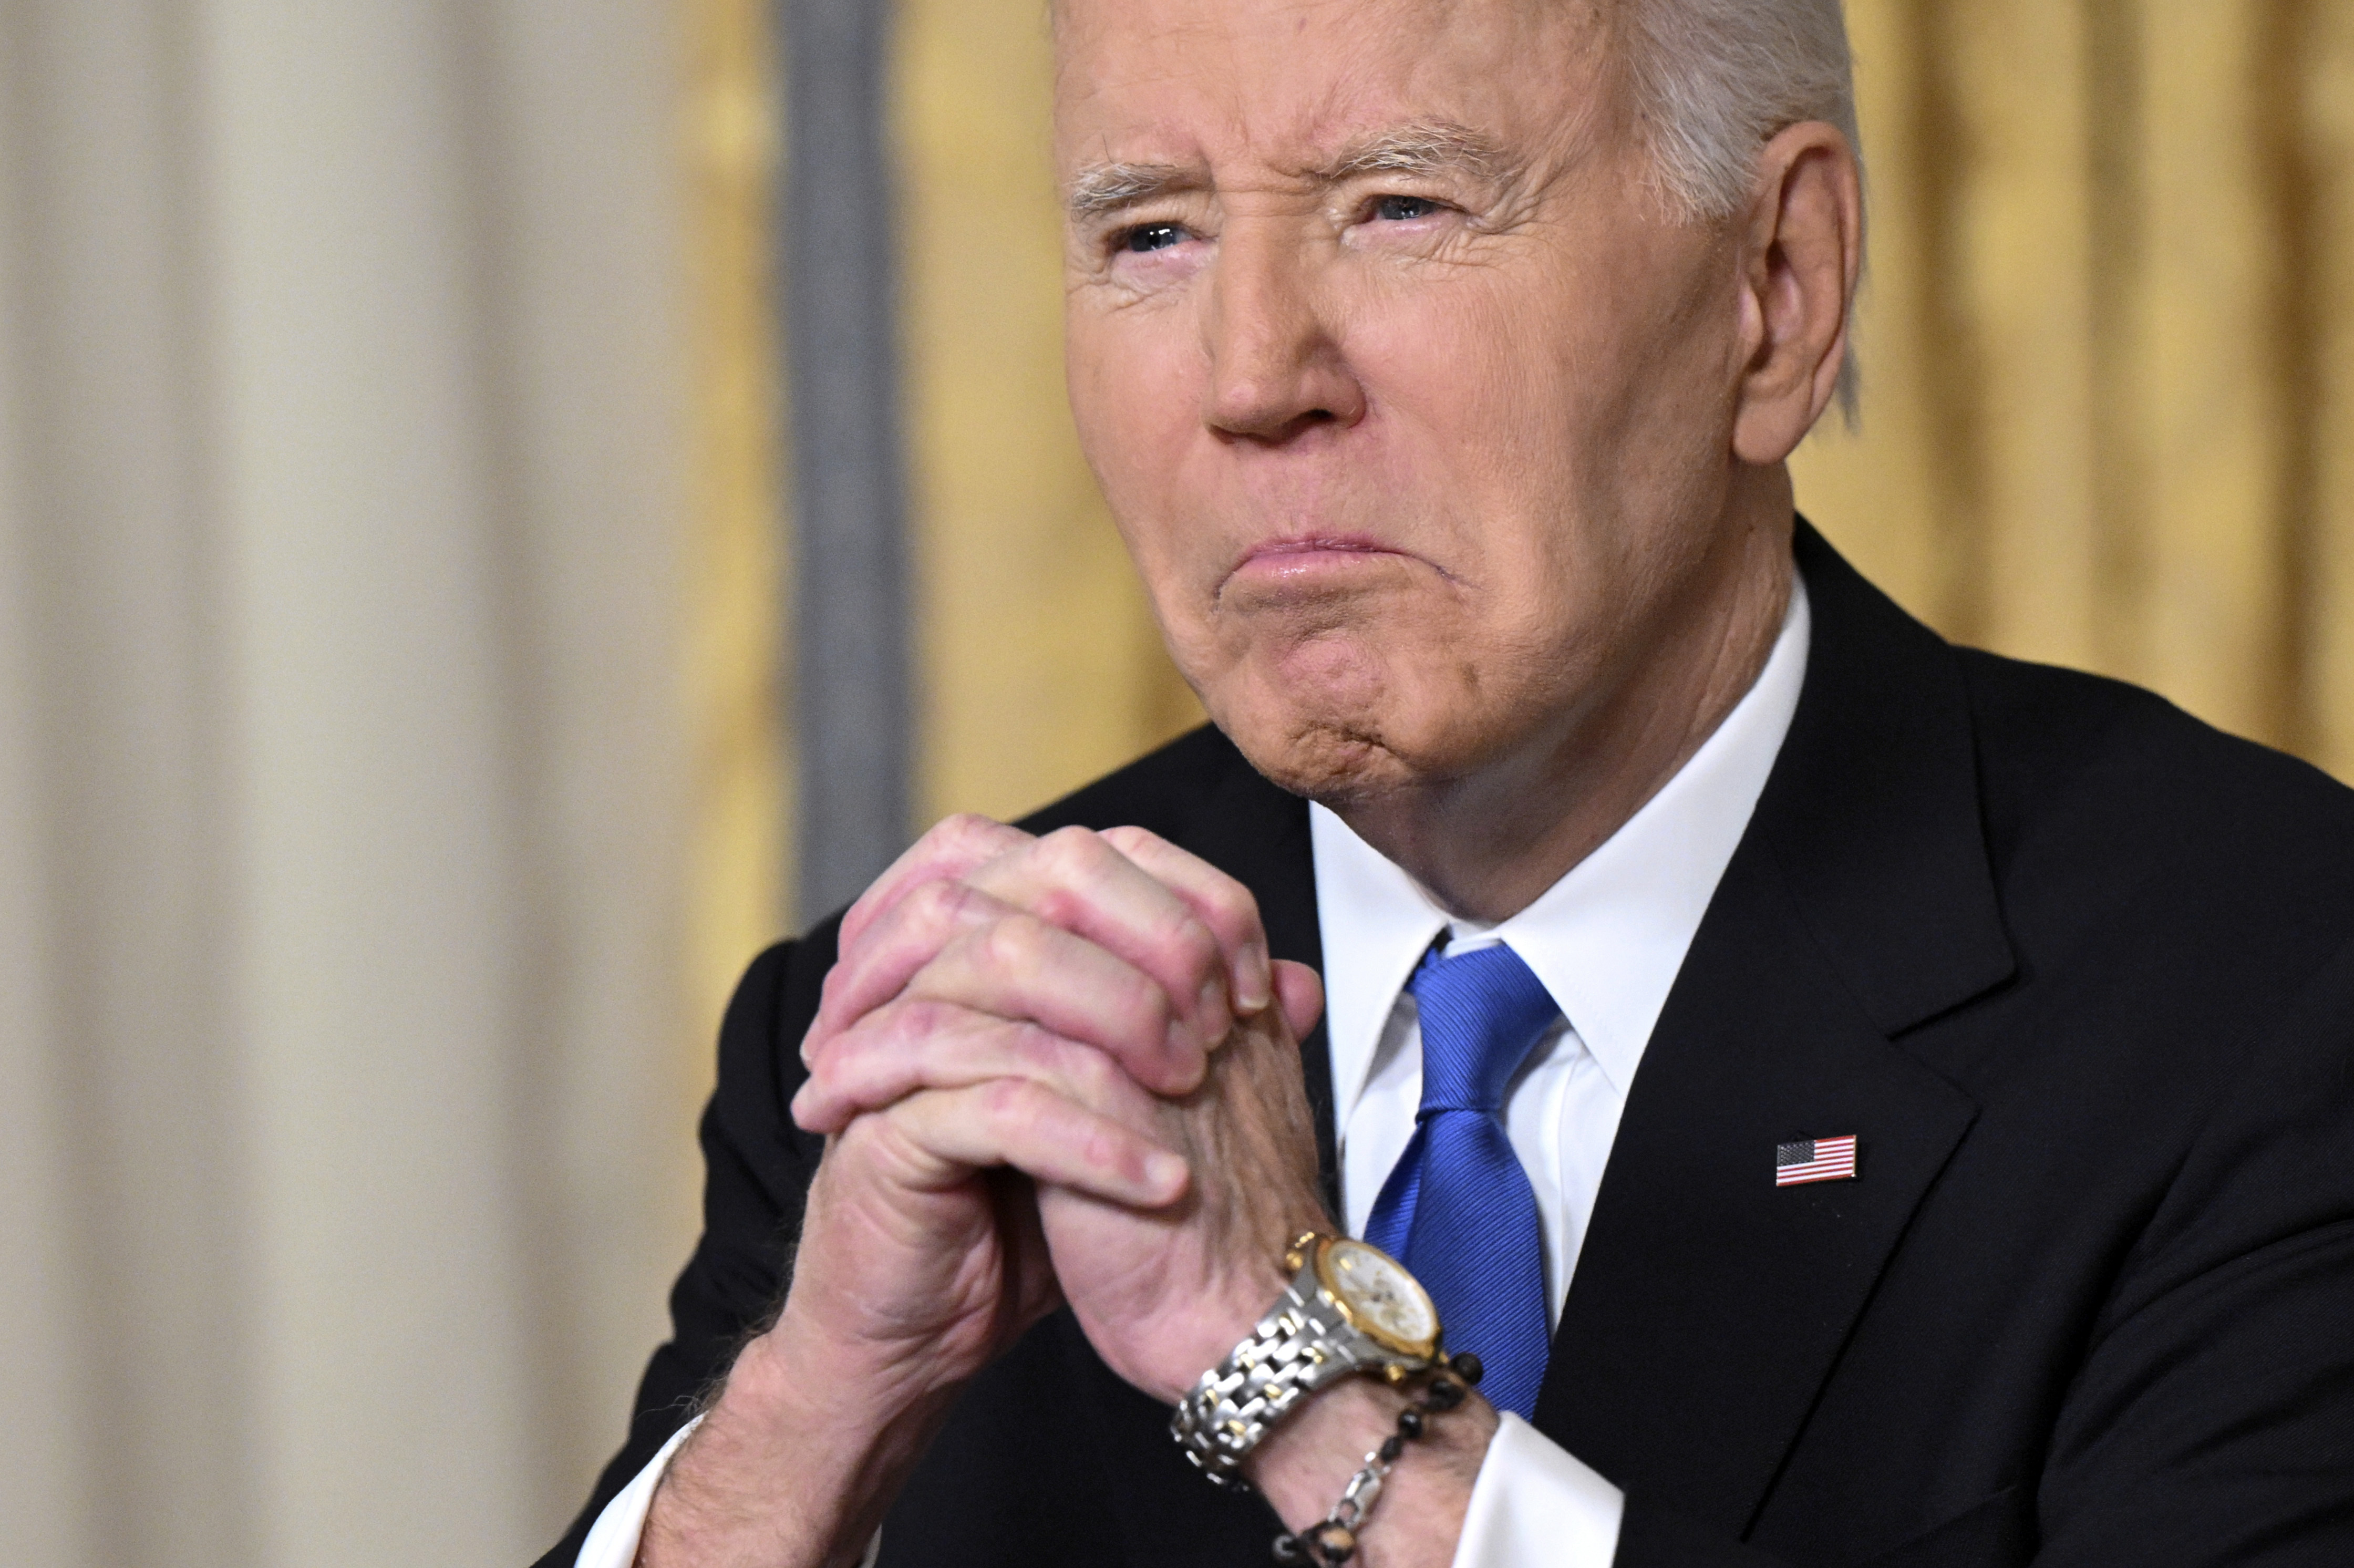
(1333, 1539)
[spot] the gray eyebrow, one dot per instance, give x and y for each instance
(1108, 187)
(1436, 147)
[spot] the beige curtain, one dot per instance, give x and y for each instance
(345, 1130)
(2108, 347)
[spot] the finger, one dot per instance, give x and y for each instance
(953, 848)
(912, 1046)
(947, 1134)
(1075, 880)
(895, 945)
(1217, 900)
(1019, 966)
(1300, 990)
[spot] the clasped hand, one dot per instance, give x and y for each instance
(1051, 1070)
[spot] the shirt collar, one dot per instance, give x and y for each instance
(1607, 938)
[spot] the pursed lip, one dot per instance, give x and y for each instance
(1307, 552)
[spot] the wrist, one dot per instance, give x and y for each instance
(797, 1459)
(1210, 1336)
(1431, 1462)
(1299, 1464)
(800, 1371)
(1250, 1287)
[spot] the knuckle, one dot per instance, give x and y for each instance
(1230, 905)
(1148, 1011)
(933, 907)
(1034, 1046)
(842, 1054)
(1072, 850)
(1237, 913)
(1195, 947)
(965, 830)
(914, 1021)
(1134, 841)
(1016, 944)
(1101, 1148)
(1094, 1074)
(1060, 907)
(1006, 1100)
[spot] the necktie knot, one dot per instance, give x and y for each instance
(1481, 1012)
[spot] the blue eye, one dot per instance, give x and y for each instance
(1402, 209)
(1152, 237)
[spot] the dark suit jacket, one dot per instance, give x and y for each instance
(2076, 969)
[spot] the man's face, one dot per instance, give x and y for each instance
(1410, 396)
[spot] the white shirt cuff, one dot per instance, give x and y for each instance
(1536, 1503)
(613, 1540)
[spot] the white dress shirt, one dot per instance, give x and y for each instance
(1606, 941)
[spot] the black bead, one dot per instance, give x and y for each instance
(1390, 1448)
(1467, 1367)
(1410, 1423)
(1287, 1549)
(1444, 1393)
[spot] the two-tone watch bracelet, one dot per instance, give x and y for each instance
(1332, 1539)
(1299, 1347)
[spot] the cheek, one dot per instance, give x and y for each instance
(1458, 354)
(1135, 402)
(1485, 381)
(1576, 395)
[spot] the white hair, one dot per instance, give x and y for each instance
(1713, 80)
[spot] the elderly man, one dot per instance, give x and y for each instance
(1856, 1099)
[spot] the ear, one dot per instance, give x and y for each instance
(1801, 256)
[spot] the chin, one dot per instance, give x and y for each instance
(1332, 760)
(1334, 719)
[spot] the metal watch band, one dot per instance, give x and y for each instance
(1300, 1345)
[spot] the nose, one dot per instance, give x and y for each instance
(1275, 368)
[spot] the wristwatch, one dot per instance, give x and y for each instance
(1352, 1307)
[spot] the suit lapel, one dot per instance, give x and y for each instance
(1709, 1306)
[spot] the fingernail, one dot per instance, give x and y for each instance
(1254, 980)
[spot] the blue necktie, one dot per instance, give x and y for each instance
(1459, 1210)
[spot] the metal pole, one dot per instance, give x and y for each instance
(849, 625)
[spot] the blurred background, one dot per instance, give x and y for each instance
(413, 530)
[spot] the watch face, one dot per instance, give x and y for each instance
(1380, 1297)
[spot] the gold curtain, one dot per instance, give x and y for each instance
(1039, 663)
(2108, 418)
(2108, 342)
(736, 872)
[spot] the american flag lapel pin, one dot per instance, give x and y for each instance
(1813, 1160)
